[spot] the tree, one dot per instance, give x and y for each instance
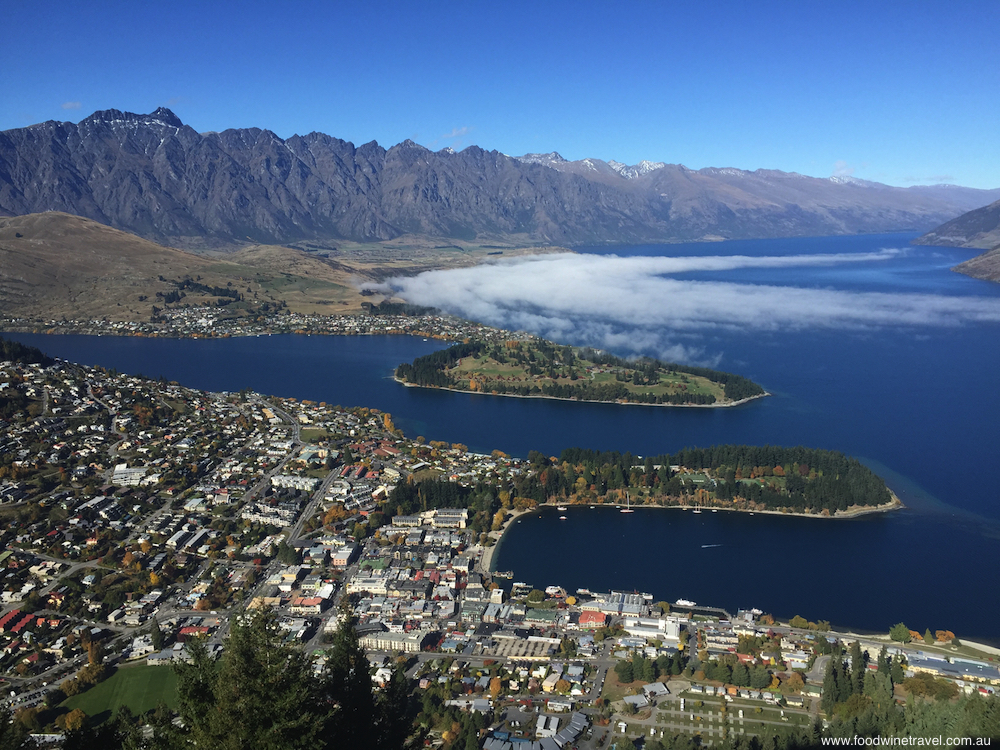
(831, 688)
(929, 637)
(899, 632)
(13, 734)
(28, 719)
(259, 693)
(794, 683)
(156, 635)
(395, 711)
(95, 654)
(859, 665)
(760, 678)
(348, 686)
(741, 675)
(624, 671)
(75, 719)
(287, 554)
(896, 673)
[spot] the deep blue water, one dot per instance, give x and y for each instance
(919, 405)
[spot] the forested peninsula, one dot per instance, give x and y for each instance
(539, 368)
(797, 480)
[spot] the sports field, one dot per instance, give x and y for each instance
(139, 687)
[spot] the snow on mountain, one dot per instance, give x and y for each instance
(550, 159)
(636, 170)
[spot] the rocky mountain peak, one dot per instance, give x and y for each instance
(630, 172)
(553, 157)
(160, 117)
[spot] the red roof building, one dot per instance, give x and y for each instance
(591, 619)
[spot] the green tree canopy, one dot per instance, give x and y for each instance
(260, 693)
(899, 632)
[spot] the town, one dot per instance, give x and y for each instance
(218, 322)
(140, 514)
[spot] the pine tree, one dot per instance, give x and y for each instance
(395, 711)
(156, 635)
(259, 694)
(348, 685)
(831, 690)
(843, 679)
(883, 661)
(858, 666)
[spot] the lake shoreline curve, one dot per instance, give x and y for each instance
(490, 553)
(740, 402)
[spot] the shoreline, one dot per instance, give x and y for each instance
(858, 511)
(486, 561)
(585, 401)
(489, 553)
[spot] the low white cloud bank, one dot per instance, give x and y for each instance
(632, 303)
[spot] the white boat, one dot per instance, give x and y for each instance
(628, 507)
(561, 507)
(685, 603)
(696, 510)
(562, 518)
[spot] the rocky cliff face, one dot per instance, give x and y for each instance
(153, 175)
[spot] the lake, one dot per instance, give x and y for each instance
(917, 402)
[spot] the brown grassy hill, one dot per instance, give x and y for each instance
(979, 229)
(976, 229)
(985, 266)
(55, 264)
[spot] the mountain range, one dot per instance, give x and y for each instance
(159, 178)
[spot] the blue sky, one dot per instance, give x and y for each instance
(899, 92)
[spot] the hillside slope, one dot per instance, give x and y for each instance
(54, 265)
(979, 229)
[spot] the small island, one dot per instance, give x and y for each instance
(534, 367)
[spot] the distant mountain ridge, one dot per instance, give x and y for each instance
(159, 178)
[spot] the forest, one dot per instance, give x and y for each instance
(536, 367)
(14, 351)
(744, 477)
